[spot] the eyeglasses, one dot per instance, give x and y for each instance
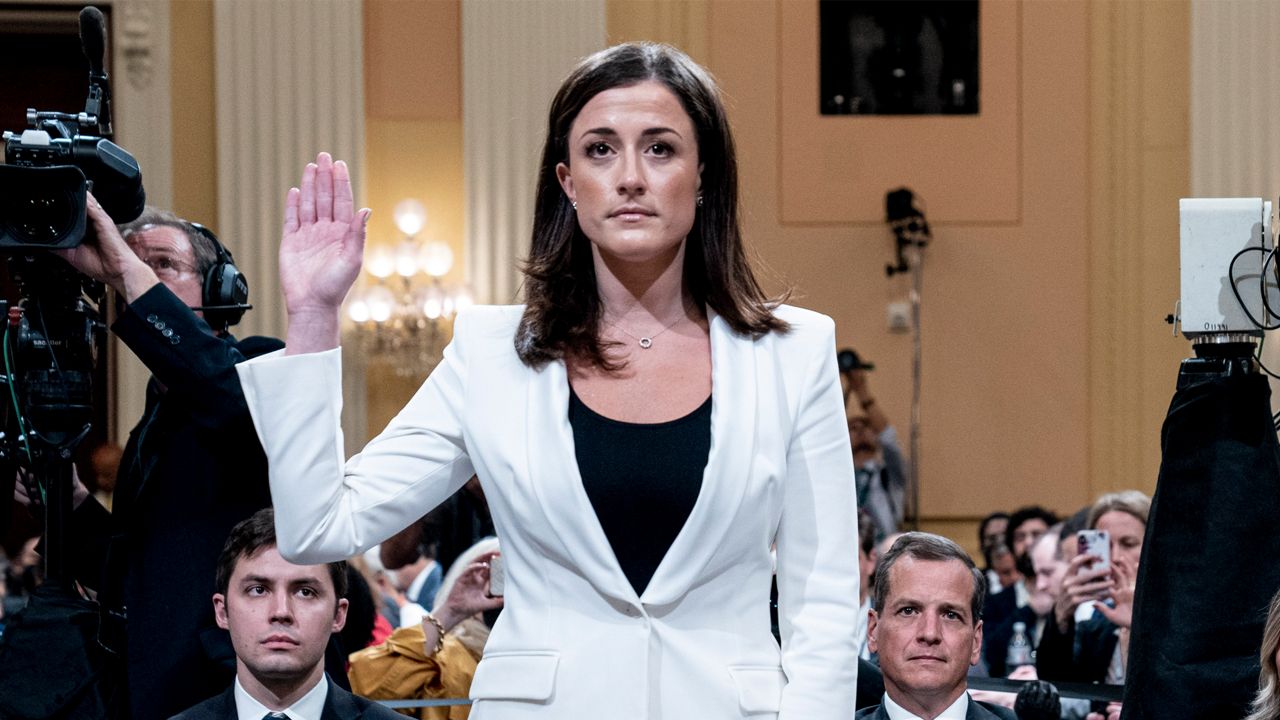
(166, 266)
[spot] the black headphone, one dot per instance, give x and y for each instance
(225, 291)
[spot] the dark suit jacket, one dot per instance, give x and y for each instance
(191, 470)
(977, 711)
(1082, 654)
(998, 608)
(995, 639)
(338, 705)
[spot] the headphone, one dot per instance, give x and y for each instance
(225, 291)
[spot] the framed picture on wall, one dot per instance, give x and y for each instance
(889, 57)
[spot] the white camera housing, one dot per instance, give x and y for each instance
(1213, 231)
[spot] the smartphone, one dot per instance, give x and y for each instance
(497, 577)
(1095, 542)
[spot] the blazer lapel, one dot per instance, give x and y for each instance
(553, 470)
(734, 418)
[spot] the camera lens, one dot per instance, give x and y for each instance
(42, 217)
(41, 207)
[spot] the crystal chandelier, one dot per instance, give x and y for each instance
(401, 311)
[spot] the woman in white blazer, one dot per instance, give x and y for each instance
(638, 570)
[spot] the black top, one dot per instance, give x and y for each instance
(642, 479)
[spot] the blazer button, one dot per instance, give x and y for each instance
(167, 332)
(159, 324)
(152, 318)
(175, 339)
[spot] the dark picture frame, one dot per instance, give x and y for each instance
(899, 57)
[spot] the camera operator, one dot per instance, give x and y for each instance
(191, 470)
(880, 468)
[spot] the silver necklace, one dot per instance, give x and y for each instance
(646, 342)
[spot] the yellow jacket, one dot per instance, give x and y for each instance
(400, 669)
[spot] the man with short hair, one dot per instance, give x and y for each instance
(880, 470)
(1026, 525)
(926, 628)
(191, 469)
(1046, 585)
(280, 617)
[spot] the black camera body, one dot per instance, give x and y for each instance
(47, 172)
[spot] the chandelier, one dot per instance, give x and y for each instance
(401, 310)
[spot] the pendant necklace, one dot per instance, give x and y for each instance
(646, 342)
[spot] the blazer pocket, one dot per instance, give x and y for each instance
(759, 687)
(528, 676)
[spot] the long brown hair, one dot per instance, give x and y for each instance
(563, 308)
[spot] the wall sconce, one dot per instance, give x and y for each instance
(401, 310)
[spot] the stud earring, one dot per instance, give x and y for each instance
(574, 203)
(699, 201)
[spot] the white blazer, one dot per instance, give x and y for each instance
(574, 640)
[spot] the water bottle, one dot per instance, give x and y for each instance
(1019, 648)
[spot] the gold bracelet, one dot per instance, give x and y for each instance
(439, 632)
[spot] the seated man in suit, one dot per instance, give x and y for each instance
(280, 616)
(926, 628)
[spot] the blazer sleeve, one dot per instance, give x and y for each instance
(186, 357)
(817, 536)
(327, 510)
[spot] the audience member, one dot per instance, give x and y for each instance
(1096, 649)
(927, 629)
(990, 534)
(879, 465)
(280, 617)
(419, 580)
(437, 658)
(1005, 568)
(1025, 525)
(1047, 572)
(104, 465)
(1266, 704)
(445, 532)
(867, 570)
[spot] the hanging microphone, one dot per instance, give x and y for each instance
(93, 40)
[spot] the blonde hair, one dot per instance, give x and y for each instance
(1131, 502)
(1266, 704)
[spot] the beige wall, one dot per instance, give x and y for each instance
(1023, 357)
(413, 143)
(195, 178)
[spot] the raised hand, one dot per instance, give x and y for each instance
(320, 253)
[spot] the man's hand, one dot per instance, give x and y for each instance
(104, 256)
(320, 253)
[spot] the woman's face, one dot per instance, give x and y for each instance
(633, 170)
(1126, 534)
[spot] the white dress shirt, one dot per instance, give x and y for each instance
(956, 711)
(308, 707)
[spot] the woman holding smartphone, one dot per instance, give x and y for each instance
(645, 428)
(1095, 649)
